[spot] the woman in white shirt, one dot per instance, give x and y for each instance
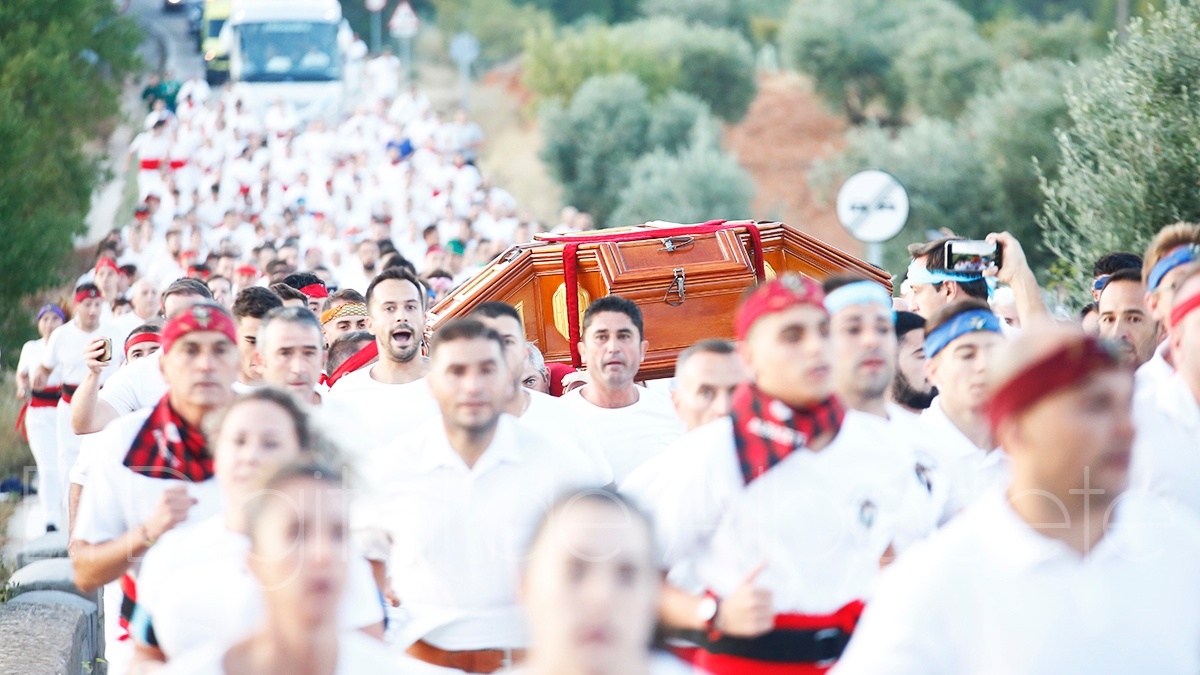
(195, 587)
(298, 541)
(41, 415)
(591, 590)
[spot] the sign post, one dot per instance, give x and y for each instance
(873, 207)
(375, 7)
(464, 49)
(404, 25)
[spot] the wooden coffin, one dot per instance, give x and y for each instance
(687, 284)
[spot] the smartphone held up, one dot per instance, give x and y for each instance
(972, 256)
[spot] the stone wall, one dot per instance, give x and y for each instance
(50, 627)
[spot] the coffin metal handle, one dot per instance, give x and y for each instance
(678, 283)
(672, 244)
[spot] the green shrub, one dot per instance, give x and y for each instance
(700, 183)
(1130, 163)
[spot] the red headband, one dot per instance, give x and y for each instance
(316, 291)
(1064, 367)
(205, 317)
(788, 291)
(107, 262)
(142, 338)
(1183, 309)
(85, 294)
(247, 269)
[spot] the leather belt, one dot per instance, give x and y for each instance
(470, 661)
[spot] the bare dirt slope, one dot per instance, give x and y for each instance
(786, 130)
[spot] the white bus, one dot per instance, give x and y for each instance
(294, 50)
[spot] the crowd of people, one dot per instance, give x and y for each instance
(269, 464)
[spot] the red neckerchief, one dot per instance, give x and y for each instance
(168, 447)
(767, 430)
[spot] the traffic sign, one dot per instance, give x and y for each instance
(464, 49)
(873, 206)
(375, 5)
(404, 22)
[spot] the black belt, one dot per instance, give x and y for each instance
(779, 646)
(47, 394)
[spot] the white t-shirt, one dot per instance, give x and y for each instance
(115, 500)
(968, 471)
(195, 589)
(136, 386)
(1166, 448)
(1153, 373)
(122, 326)
(552, 418)
(820, 520)
(989, 594)
(454, 537)
(631, 435)
(358, 654)
(384, 412)
(31, 357)
(64, 351)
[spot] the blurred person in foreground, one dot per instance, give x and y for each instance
(1002, 588)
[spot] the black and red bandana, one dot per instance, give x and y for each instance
(767, 430)
(169, 447)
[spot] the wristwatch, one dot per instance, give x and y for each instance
(706, 613)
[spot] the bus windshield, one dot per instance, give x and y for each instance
(289, 51)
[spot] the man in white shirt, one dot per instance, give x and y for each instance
(632, 424)
(1125, 319)
(960, 343)
(706, 375)
(136, 387)
(67, 352)
(783, 511)
(249, 308)
(541, 411)
(864, 343)
(1166, 459)
(392, 395)
(290, 352)
(1174, 248)
(910, 388)
(934, 287)
(1063, 571)
(453, 503)
(155, 470)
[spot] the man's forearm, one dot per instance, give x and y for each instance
(679, 609)
(83, 405)
(98, 564)
(1027, 296)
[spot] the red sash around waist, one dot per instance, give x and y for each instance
(151, 164)
(68, 390)
(176, 164)
(821, 636)
(47, 398)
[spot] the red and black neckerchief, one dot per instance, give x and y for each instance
(168, 447)
(767, 430)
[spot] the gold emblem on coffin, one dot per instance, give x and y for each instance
(560, 309)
